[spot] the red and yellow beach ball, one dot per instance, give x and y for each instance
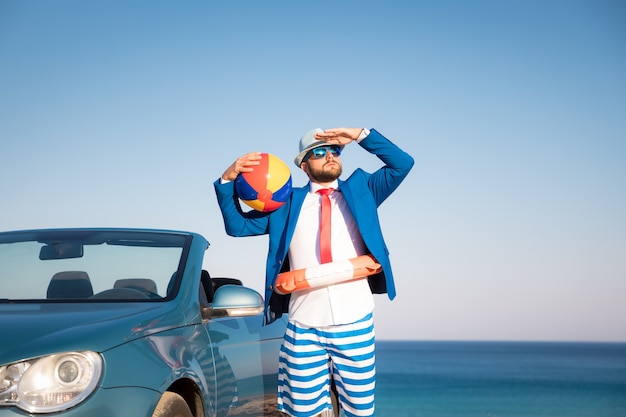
(267, 187)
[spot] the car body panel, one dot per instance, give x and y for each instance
(98, 327)
(251, 366)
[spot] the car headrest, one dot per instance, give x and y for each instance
(70, 284)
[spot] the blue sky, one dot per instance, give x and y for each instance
(512, 224)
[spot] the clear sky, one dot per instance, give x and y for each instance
(512, 225)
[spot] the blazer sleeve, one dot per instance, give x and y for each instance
(237, 222)
(397, 166)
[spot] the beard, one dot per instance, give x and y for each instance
(325, 174)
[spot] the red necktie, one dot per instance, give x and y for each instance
(325, 250)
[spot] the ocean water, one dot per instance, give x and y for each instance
(500, 379)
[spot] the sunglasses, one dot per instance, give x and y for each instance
(319, 153)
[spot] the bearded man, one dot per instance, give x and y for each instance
(330, 333)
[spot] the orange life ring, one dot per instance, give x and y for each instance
(326, 274)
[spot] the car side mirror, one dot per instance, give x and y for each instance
(234, 301)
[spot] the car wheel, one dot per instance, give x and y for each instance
(172, 405)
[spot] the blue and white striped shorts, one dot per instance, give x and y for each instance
(308, 358)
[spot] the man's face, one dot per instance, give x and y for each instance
(322, 170)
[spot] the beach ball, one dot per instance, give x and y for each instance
(267, 187)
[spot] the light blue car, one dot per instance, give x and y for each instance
(125, 322)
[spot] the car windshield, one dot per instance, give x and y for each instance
(90, 265)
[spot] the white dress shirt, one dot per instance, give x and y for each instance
(335, 304)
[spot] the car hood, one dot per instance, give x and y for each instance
(31, 330)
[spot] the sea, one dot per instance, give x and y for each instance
(500, 379)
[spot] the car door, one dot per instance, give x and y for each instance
(245, 356)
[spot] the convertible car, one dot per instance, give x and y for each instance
(126, 322)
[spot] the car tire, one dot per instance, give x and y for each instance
(172, 405)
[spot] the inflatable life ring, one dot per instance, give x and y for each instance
(326, 274)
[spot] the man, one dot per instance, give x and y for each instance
(330, 334)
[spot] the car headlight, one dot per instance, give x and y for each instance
(50, 383)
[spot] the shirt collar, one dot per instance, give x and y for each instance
(314, 187)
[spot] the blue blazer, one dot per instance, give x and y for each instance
(363, 193)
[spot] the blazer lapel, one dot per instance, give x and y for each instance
(297, 199)
(351, 200)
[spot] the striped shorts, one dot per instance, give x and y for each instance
(310, 356)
